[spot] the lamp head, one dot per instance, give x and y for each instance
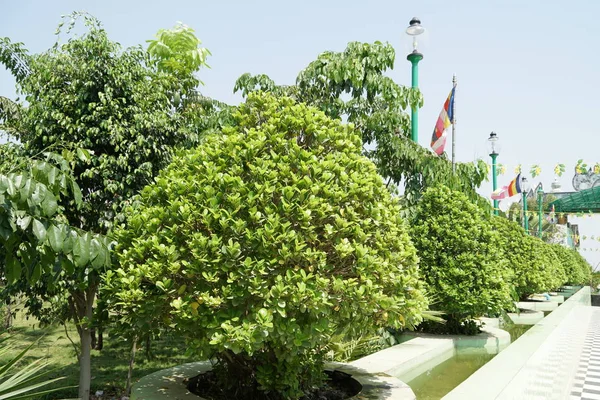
(493, 144)
(415, 29)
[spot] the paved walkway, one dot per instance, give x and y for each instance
(586, 382)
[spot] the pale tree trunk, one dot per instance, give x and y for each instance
(84, 303)
(131, 362)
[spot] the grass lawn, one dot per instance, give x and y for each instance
(109, 366)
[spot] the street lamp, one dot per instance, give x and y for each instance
(414, 29)
(525, 188)
(494, 147)
(540, 196)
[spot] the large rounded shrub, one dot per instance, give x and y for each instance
(535, 266)
(460, 261)
(574, 273)
(261, 243)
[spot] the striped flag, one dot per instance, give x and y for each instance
(514, 187)
(446, 118)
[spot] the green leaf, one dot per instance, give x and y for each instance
(56, 237)
(39, 230)
(49, 205)
(37, 273)
(81, 250)
(23, 222)
(13, 268)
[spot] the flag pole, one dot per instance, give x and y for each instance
(454, 125)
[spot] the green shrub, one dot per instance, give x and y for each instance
(575, 271)
(264, 242)
(553, 267)
(534, 263)
(584, 266)
(460, 261)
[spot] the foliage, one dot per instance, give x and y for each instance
(115, 104)
(577, 273)
(352, 86)
(535, 267)
(350, 345)
(595, 280)
(460, 261)
(18, 381)
(178, 52)
(452, 327)
(121, 106)
(35, 237)
(264, 242)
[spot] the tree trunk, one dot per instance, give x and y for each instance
(84, 302)
(131, 362)
(148, 348)
(100, 343)
(93, 337)
(8, 317)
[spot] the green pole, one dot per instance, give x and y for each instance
(540, 209)
(414, 59)
(494, 180)
(525, 219)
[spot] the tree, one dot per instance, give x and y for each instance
(121, 106)
(535, 266)
(460, 261)
(262, 243)
(352, 86)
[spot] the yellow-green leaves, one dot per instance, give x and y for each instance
(288, 233)
(459, 256)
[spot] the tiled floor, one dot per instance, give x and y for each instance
(586, 384)
(549, 373)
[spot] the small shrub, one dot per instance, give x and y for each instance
(459, 256)
(263, 243)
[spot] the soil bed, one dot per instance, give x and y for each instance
(338, 386)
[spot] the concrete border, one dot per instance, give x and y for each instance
(547, 305)
(168, 384)
(558, 298)
(526, 318)
(415, 356)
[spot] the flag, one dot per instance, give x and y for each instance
(446, 118)
(514, 187)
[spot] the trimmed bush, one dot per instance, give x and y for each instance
(264, 242)
(574, 273)
(534, 262)
(460, 262)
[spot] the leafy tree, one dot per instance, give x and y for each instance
(352, 86)
(121, 105)
(460, 261)
(262, 243)
(535, 266)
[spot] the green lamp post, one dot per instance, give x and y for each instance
(540, 196)
(525, 188)
(494, 147)
(414, 29)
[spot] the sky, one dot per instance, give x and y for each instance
(526, 70)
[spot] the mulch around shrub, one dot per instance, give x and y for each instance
(339, 386)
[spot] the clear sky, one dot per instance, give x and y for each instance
(526, 69)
